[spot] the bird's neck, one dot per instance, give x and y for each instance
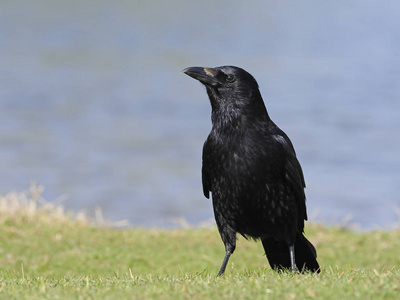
(226, 117)
(233, 124)
(238, 117)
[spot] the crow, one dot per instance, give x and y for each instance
(250, 168)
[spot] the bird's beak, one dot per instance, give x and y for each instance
(207, 76)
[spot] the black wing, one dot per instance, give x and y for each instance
(294, 174)
(205, 178)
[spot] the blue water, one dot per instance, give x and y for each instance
(94, 108)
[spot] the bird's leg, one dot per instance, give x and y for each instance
(224, 263)
(292, 259)
(228, 236)
(229, 247)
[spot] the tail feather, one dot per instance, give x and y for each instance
(279, 258)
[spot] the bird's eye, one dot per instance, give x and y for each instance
(230, 78)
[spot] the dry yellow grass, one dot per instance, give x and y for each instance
(29, 206)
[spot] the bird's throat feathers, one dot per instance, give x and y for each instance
(231, 114)
(227, 117)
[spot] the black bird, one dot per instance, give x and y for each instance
(250, 168)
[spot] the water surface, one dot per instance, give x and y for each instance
(93, 105)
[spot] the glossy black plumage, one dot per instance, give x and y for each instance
(250, 168)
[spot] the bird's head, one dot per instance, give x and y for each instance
(228, 87)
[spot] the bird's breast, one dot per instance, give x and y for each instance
(235, 168)
(247, 180)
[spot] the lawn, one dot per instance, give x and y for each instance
(48, 254)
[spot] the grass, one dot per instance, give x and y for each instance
(48, 254)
